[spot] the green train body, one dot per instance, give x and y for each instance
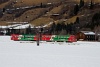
(26, 37)
(61, 38)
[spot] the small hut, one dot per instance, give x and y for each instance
(55, 16)
(86, 35)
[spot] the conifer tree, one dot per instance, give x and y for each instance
(81, 3)
(76, 9)
(91, 5)
(77, 20)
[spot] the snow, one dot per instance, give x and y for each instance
(88, 32)
(23, 26)
(17, 26)
(48, 54)
(92, 33)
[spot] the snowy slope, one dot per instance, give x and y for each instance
(28, 54)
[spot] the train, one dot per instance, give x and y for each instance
(30, 37)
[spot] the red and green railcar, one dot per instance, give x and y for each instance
(15, 37)
(67, 38)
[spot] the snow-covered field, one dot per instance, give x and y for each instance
(48, 54)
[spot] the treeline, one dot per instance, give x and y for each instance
(27, 30)
(2, 1)
(95, 21)
(77, 7)
(71, 28)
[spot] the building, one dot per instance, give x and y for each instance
(86, 36)
(55, 16)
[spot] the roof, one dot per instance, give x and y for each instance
(88, 32)
(56, 14)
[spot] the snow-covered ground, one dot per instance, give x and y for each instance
(48, 54)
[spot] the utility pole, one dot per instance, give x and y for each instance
(39, 35)
(38, 40)
(96, 35)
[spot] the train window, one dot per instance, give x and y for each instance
(20, 36)
(46, 36)
(15, 36)
(31, 36)
(61, 36)
(64, 36)
(27, 36)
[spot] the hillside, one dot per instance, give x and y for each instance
(39, 12)
(96, 1)
(34, 2)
